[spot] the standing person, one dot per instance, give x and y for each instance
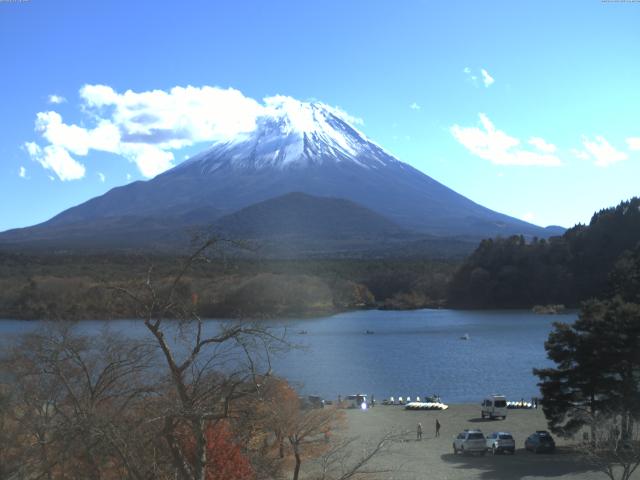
(419, 431)
(437, 428)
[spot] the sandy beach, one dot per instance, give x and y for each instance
(433, 458)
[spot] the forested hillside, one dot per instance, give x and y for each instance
(82, 286)
(513, 273)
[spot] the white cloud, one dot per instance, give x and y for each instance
(56, 159)
(338, 112)
(414, 106)
(22, 173)
(498, 147)
(176, 118)
(102, 177)
(529, 217)
(633, 143)
(542, 145)
(151, 160)
(603, 152)
(486, 78)
(56, 99)
(78, 140)
(580, 154)
(32, 148)
(146, 127)
(128, 177)
(470, 76)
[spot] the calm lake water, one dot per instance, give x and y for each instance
(410, 353)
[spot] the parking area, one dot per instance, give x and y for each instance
(433, 457)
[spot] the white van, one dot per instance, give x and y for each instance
(357, 401)
(494, 406)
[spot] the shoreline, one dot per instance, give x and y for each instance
(307, 315)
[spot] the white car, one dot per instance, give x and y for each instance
(500, 442)
(470, 441)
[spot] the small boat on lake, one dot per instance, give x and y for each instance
(465, 337)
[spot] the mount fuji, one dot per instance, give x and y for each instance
(295, 146)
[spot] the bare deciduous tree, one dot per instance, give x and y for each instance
(78, 404)
(613, 446)
(348, 458)
(208, 369)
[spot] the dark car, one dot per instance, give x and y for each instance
(540, 441)
(311, 401)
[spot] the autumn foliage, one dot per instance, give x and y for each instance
(225, 460)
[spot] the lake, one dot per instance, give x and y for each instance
(409, 353)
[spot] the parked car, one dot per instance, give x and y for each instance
(470, 441)
(500, 442)
(494, 406)
(315, 401)
(311, 401)
(540, 441)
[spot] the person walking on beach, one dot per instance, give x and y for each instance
(419, 431)
(437, 428)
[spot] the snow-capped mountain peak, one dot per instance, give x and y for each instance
(294, 134)
(287, 146)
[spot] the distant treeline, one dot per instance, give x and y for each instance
(87, 286)
(581, 264)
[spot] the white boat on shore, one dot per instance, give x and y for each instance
(426, 406)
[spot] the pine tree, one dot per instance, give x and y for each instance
(597, 367)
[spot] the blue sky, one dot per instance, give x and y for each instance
(529, 108)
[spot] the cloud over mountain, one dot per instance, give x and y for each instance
(147, 127)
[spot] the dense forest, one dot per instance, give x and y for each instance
(581, 264)
(85, 286)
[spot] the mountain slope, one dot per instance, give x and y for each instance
(305, 216)
(297, 224)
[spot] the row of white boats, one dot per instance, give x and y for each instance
(521, 404)
(432, 402)
(426, 406)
